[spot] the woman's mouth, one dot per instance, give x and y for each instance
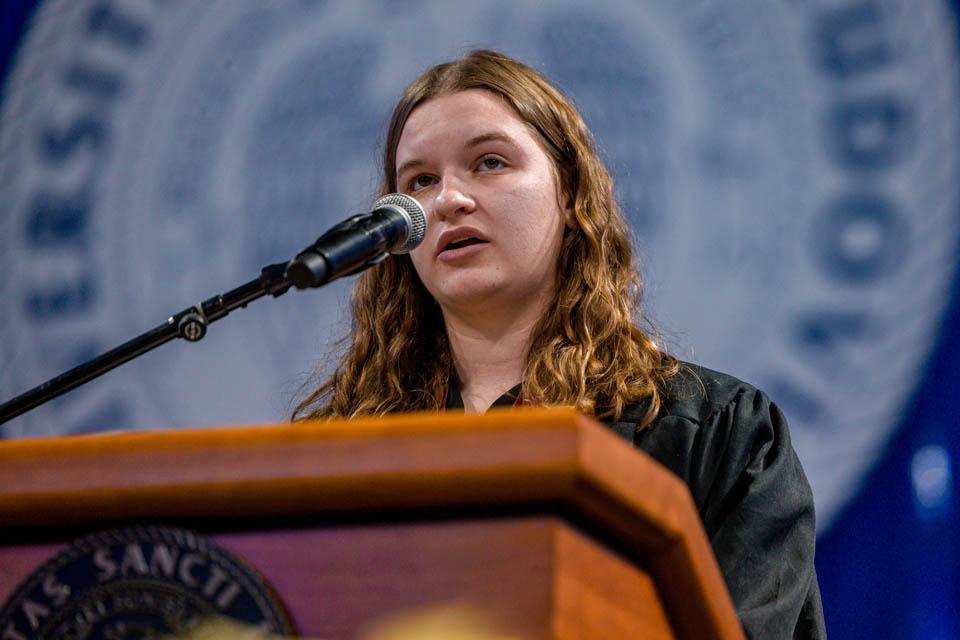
(460, 249)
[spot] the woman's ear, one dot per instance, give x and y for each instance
(565, 201)
(569, 211)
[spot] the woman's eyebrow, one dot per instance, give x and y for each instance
(492, 136)
(409, 164)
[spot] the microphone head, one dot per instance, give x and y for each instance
(412, 213)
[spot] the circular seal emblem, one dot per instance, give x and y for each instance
(138, 583)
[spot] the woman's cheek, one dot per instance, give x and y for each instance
(418, 258)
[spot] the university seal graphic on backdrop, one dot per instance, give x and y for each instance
(790, 170)
(143, 582)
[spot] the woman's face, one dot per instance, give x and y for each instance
(495, 217)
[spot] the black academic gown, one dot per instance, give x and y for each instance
(731, 446)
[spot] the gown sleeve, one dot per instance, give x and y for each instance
(732, 448)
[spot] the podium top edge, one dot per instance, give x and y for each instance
(400, 423)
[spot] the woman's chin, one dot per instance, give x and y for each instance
(468, 301)
(468, 294)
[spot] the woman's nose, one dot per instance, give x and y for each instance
(453, 198)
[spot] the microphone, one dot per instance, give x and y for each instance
(396, 225)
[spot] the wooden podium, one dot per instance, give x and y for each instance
(539, 522)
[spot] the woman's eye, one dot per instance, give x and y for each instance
(421, 182)
(491, 163)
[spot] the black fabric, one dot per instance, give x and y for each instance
(455, 401)
(731, 446)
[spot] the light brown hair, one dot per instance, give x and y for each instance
(587, 351)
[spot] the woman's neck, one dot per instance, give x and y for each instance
(489, 354)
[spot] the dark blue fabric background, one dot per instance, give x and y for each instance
(888, 568)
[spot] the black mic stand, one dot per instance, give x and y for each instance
(190, 324)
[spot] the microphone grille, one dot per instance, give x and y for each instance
(416, 217)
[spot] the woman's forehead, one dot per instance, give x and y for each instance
(461, 119)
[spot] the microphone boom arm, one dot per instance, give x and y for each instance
(396, 225)
(190, 324)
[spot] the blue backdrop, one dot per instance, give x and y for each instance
(790, 167)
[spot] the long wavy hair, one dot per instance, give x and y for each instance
(587, 351)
